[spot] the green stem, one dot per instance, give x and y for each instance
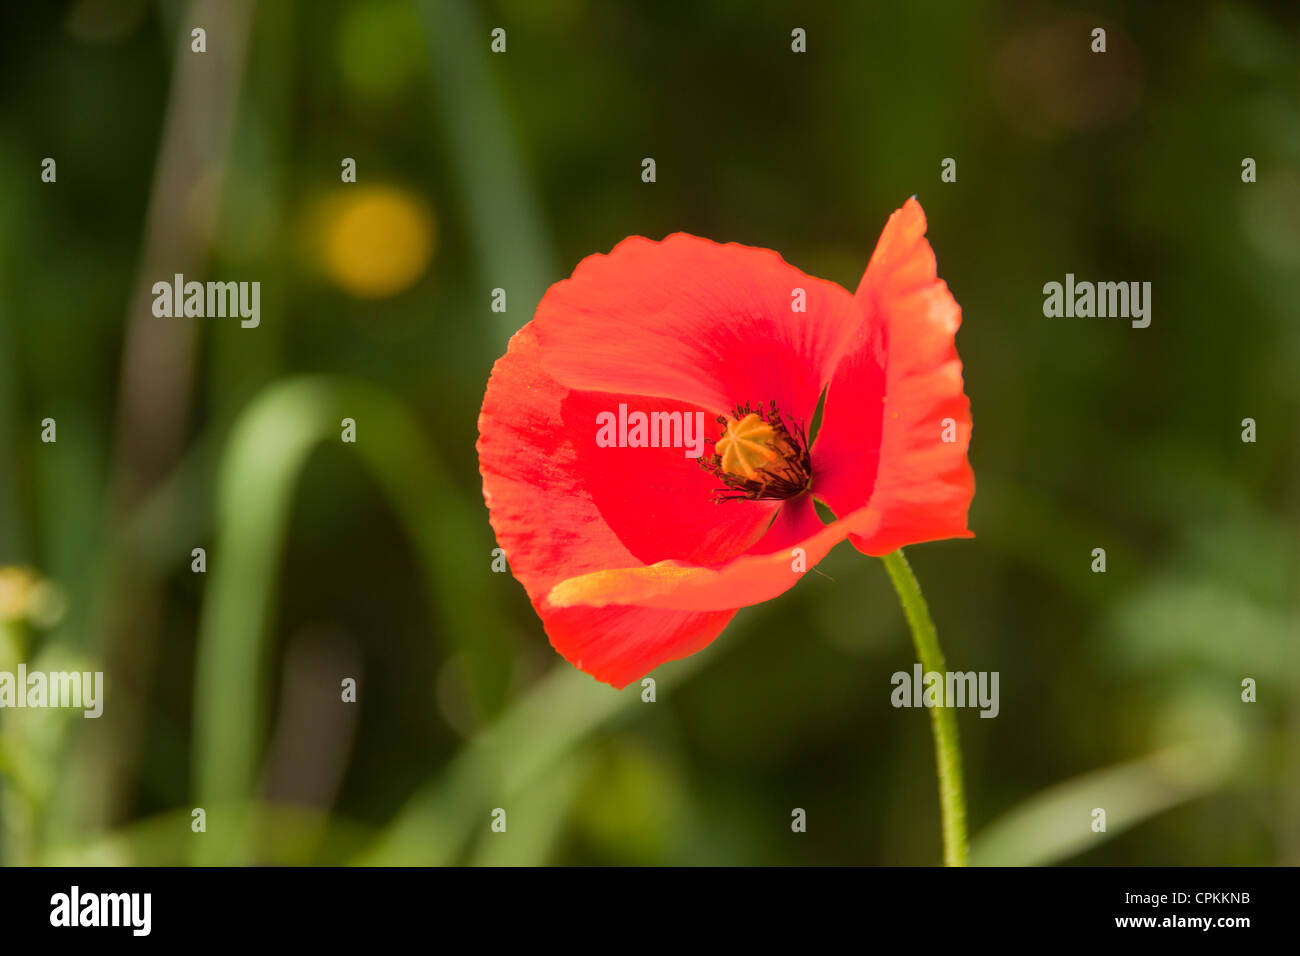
(943, 719)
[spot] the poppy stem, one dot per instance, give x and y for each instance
(943, 719)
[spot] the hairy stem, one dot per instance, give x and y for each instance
(943, 719)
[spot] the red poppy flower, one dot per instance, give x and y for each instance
(634, 556)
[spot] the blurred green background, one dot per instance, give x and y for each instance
(478, 171)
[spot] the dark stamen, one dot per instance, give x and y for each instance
(786, 475)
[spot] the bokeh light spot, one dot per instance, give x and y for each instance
(378, 241)
(381, 48)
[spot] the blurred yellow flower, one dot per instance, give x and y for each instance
(25, 595)
(16, 586)
(378, 240)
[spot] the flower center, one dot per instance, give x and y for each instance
(758, 456)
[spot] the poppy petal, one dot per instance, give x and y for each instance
(748, 579)
(659, 502)
(617, 645)
(704, 323)
(796, 521)
(550, 528)
(914, 473)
